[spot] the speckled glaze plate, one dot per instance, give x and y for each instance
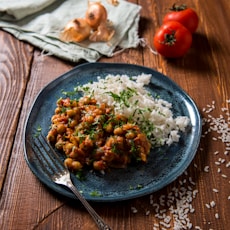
(164, 165)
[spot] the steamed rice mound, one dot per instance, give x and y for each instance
(130, 98)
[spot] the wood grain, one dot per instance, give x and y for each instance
(16, 59)
(203, 73)
(25, 182)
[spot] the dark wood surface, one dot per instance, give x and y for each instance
(25, 203)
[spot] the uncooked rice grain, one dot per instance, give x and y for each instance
(134, 210)
(172, 210)
(206, 168)
(224, 176)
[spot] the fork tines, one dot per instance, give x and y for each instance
(48, 159)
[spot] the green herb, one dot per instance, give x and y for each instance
(59, 99)
(160, 113)
(124, 96)
(157, 96)
(139, 186)
(68, 93)
(95, 193)
(115, 149)
(80, 135)
(39, 128)
(80, 176)
(133, 147)
(63, 109)
(38, 131)
(131, 187)
(115, 96)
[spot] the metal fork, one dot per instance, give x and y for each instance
(53, 166)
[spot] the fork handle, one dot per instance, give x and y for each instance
(99, 221)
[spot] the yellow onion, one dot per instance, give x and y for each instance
(76, 30)
(95, 14)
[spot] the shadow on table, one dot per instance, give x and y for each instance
(200, 56)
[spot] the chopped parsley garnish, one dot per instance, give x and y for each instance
(38, 131)
(95, 193)
(124, 96)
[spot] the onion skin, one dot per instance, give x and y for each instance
(104, 33)
(95, 14)
(113, 2)
(76, 30)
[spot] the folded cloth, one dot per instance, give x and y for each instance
(40, 24)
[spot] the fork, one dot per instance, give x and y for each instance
(52, 165)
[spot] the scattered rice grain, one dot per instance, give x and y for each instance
(191, 181)
(212, 204)
(134, 210)
(224, 176)
(206, 168)
(165, 224)
(163, 211)
(223, 161)
(167, 219)
(147, 212)
(197, 228)
(157, 206)
(162, 200)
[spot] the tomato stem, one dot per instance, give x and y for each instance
(176, 7)
(170, 39)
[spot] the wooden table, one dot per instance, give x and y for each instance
(203, 189)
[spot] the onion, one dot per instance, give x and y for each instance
(76, 30)
(95, 14)
(104, 32)
(94, 26)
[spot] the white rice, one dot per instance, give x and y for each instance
(130, 98)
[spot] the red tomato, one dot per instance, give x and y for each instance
(172, 40)
(186, 16)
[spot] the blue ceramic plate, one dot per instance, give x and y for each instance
(164, 165)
